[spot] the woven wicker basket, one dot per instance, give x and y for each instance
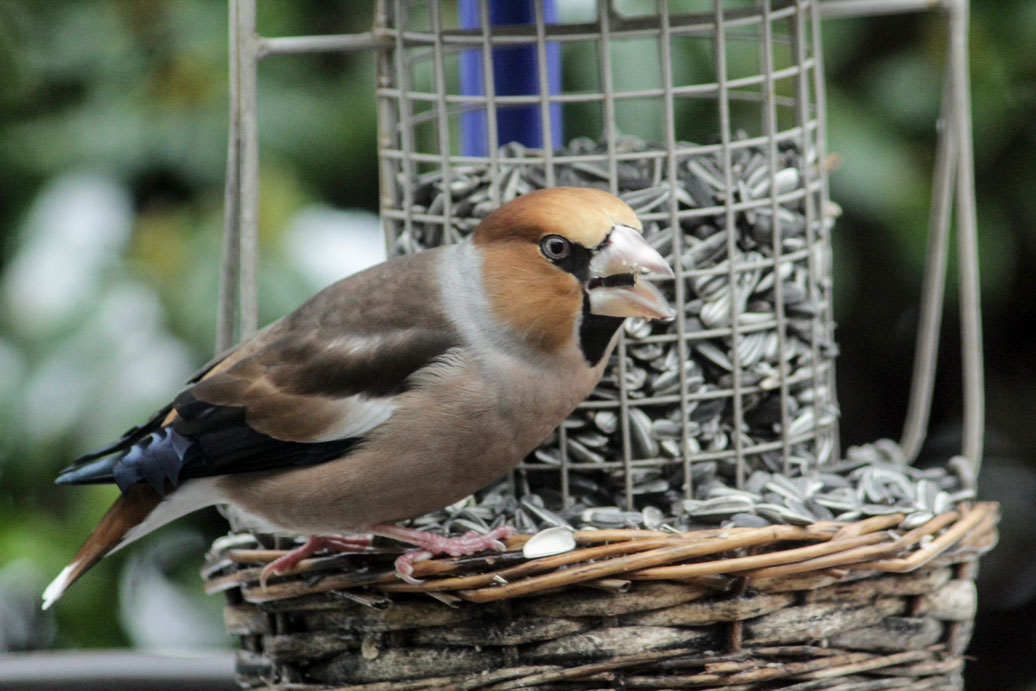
(825, 606)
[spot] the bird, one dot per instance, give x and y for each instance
(393, 392)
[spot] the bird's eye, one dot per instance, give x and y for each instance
(555, 247)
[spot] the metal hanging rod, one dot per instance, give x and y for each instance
(694, 23)
(864, 8)
(953, 185)
(332, 43)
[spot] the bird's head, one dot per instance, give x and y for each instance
(569, 257)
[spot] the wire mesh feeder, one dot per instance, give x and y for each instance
(721, 536)
(752, 342)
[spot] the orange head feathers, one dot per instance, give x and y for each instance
(581, 214)
(574, 250)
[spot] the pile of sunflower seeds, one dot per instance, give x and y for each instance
(679, 398)
(872, 480)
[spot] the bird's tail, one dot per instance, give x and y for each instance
(129, 510)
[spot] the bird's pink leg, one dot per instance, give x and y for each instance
(430, 544)
(333, 543)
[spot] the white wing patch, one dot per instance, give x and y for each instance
(357, 415)
(366, 345)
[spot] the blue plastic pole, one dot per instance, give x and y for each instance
(515, 72)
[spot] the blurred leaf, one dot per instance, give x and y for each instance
(907, 89)
(880, 177)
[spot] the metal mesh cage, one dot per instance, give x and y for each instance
(707, 118)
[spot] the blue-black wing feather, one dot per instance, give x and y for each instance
(219, 442)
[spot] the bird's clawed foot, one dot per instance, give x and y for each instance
(332, 543)
(430, 544)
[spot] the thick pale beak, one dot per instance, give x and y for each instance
(615, 287)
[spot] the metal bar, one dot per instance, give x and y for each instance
(777, 247)
(489, 89)
(684, 149)
(442, 119)
(863, 8)
(819, 89)
(955, 157)
(249, 170)
(405, 115)
(333, 43)
(816, 269)
(679, 283)
(388, 122)
(604, 18)
(723, 103)
(547, 133)
(967, 239)
(933, 286)
(704, 90)
(543, 67)
(643, 26)
(608, 92)
(230, 262)
(620, 354)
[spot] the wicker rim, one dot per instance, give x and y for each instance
(611, 558)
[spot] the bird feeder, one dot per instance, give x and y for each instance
(695, 521)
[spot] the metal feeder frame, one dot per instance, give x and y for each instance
(953, 188)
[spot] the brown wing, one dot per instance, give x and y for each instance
(301, 391)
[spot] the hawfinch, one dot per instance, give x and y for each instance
(394, 392)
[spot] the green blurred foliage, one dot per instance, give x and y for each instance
(135, 91)
(884, 86)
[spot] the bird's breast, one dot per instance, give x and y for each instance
(466, 422)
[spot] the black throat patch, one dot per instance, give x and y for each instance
(595, 333)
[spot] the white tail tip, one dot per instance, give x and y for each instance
(57, 586)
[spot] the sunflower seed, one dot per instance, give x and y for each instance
(606, 421)
(581, 453)
(653, 517)
(643, 441)
(549, 542)
(748, 520)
